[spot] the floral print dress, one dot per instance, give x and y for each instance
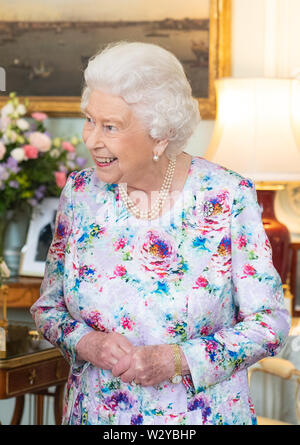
(201, 276)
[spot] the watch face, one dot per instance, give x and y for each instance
(177, 379)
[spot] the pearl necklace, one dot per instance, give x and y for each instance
(163, 194)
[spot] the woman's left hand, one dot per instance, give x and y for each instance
(146, 365)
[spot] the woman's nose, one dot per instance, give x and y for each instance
(93, 139)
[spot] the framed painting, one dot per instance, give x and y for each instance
(45, 45)
(39, 237)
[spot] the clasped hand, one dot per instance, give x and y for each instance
(146, 365)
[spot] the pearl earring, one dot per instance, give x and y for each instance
(155, 158)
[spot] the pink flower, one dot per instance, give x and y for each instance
(127, 323)
(120, 270)
(2, 150)
(206, 330)
(249, 270)
(201, 282)
(38, 116)
(245, 183)
(68, 146)
(242, 241)
(120, 244)
(40, 140)
(60, 178)
(31, 152)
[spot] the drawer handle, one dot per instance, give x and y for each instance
(32, 377)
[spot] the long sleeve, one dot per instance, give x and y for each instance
(50, 312)
(261, 322)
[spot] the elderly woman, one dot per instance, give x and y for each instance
(159, 285)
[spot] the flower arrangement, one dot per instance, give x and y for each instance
(33, 165)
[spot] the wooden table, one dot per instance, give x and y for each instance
(31, 366)
(23, 292)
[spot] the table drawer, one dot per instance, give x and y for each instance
(36, 376)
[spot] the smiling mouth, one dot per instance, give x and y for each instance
(105, 163)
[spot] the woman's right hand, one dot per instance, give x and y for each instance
(102, 349)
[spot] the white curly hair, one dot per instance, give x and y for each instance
(152, 81)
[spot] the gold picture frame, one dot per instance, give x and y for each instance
(219, 65)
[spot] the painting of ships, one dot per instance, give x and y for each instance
(201, 51)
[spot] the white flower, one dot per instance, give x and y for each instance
(5, 122)
(14, 115)
(4, 174)
(21, 109)
(5, 139)
(54, 153)
(7, 109)
(2, 150)
(71, 165)
(22, 124)
(11, 135)
(71, 156)
(18, 154)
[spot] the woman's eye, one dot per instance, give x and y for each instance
(89, 120)
(110, 127)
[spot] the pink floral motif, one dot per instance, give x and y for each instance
(81, 180)
(200, 282)
(157, 254)
(245, 183)
(120, 243)
(127, 323)
(206, 330)
(249, 270)
(241, 241)
(94, 320)
(120, 270)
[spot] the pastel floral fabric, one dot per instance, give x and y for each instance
(200, 276)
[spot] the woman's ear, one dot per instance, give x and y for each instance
(161, 145)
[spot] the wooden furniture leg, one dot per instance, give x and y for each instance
(58, 403)
(18, 411)
(39, 408)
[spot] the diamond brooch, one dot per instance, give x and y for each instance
(207, 209)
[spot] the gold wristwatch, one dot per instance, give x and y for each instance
(177, 377)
